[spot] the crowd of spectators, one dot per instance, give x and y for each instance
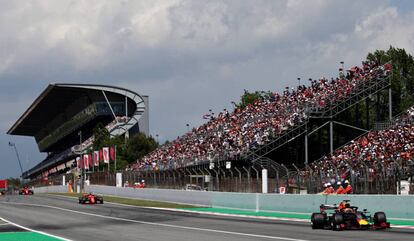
(234, 134)
(378, 152)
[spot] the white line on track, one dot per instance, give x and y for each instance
(232, 215)
(201, 212)
(34, 231)
(162, 224)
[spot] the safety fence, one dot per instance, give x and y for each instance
(248, 180)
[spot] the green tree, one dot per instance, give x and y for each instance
(13, 183)
(101, 136)
(138, 146)
(249, 98)
(127, 150)
(402, 77)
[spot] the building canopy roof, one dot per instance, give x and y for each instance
(54, 99)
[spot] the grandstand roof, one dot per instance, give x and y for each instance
(53, 100)
(64, 104)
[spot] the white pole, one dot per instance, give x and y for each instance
(115, 158)
(264, 181)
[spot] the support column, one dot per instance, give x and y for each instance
(331, 146)
(264, 181)
(110, 107)
(126, 116)
(390, 103)
(306, 149)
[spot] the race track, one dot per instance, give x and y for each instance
(64, 217)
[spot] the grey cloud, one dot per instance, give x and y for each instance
(188, 56)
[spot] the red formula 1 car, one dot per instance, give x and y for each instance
(26, 191)
(347, 217)
(90, 198)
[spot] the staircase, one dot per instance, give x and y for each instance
(279, 170)
(360, 93)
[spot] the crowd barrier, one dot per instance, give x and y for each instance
(167, 195)
(49, 189)
(394, 206)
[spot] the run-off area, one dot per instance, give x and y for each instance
(11, 232)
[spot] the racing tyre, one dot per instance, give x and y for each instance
(379, 217)
(337, 220)
(318, 220)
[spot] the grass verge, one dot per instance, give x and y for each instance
(19, 236)
(133, 202)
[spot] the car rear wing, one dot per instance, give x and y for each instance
(328, 206)
(325, 207)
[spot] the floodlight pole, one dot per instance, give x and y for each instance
(17, 155)
(82, 163)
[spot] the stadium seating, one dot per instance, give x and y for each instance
(377, 151)
(245, 129)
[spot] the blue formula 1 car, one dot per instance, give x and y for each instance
(347, 217)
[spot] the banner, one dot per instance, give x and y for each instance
(112, 153)
(78, 162)
(86, 161)
(100, 155)
(105, 152)
(96, 158)
(90, 161)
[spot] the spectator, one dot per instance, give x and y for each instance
(340, 189)
(233, 134)
(347, 188)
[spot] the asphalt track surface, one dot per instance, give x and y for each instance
(66, 218)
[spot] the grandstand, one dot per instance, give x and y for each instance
(261, 128)
(274, 133)
(297, 136)
(64, 113)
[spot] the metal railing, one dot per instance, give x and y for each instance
(383, 180)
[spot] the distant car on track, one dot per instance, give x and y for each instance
(193, 187)
(26, 191)
(90, 199)
(347, 217)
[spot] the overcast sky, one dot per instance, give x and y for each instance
(188, 56)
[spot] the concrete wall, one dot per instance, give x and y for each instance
(50, 189)
(168, 195)
(394, 206)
